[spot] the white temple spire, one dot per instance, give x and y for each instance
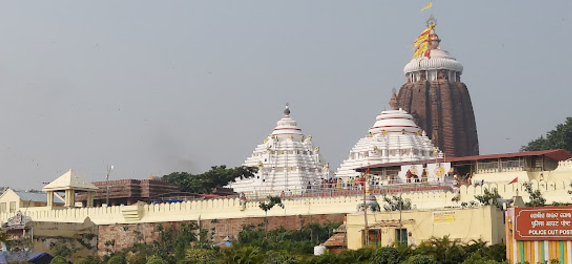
(287, 161)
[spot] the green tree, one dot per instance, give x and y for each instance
(476, 258)
(534, 196)
(117, 259)
(242, 255)
(444, 250)
(266, 206)
(489, 197)
(156, 260)
(184, 237)
(396, 203)
(200, 255)
(559, 138)
(216, 177)
(89, 260)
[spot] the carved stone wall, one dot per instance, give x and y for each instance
(445, 111)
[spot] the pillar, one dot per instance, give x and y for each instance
(50, 201)
(70, 198)
(89, 202)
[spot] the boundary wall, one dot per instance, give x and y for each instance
(554, 191)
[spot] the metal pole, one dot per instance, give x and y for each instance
(366, 230)
(400, 223)
(109, 169)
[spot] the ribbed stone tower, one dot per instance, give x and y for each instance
(287, 161)
(437, 99)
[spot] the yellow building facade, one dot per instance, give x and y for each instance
(412, 227)
(13, 201)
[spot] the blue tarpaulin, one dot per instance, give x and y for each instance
(32, 257)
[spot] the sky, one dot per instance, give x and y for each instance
(154, 87)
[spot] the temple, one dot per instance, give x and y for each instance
(437, 99)
(394, 138)
(287, 161)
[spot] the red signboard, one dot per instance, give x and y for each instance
(543, 223)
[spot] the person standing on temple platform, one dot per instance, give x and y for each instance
(351, 183)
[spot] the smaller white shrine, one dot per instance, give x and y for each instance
(394, 138)
(287, 161)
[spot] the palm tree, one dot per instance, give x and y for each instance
(242, 255)
(443, 250)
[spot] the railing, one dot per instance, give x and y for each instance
(349, 191)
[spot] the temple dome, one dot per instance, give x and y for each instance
(394, 121)
(287, 161)
(433, 63)
(439, 60)
(394, 138)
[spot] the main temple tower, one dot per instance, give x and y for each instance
(437, 99)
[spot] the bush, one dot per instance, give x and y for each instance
(477, 258)
(88, 260)
(420, 259)
(280, 257)
(386, 255)
(117, 259)
(59, 260)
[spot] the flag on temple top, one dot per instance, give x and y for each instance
(423, 36)
(427, 6)
(421, 44)
(515, 180)
(421, 50)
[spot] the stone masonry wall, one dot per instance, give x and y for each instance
(125, 235)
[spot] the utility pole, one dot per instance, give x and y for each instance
(366, 230)
(109, 169)
(400, 223)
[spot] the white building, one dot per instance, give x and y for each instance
(287, 161)
(394, 138)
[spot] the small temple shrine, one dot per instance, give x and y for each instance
(287, 161)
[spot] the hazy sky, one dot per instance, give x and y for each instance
(154, 87)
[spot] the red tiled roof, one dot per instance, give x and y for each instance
(555, 154)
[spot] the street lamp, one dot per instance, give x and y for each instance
(109, 169)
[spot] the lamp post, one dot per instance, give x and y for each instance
(109, 169)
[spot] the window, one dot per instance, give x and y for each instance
(3, 207)
(12, 207)
(401, 236)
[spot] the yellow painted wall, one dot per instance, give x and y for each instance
(555, 187)
(8, 197)
(484, 222)
(230, 208)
